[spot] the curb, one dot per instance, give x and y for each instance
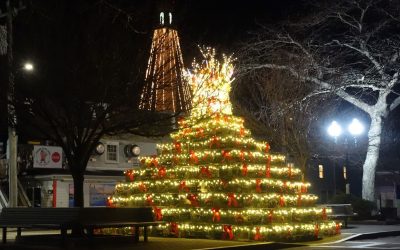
(373, 235)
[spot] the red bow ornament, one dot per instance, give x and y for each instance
(244, 169)
(241, 155)
(178, 147)
(174, 229)
(142, 187)
(200, 133)
(281, 201)
(242, 132)
(110, 202)
(267, 147)
(186, 131)
(270, 216)
(157, 213)
(257, 236)
(268, 167)
(217, 117)
(226, 155)
(232, 200)
(216, 214)
(258, 185)
(251, 156)
(193, 157)
(162, 172)
(149, 200)
(214, 141)
(316, 231)
(154, 162)
(183, 187)
(205, 171)
(337, 228)
(130, 175)
(228, 232)
(226, 118)
(299, 200)
(193, 200)
(304, 188)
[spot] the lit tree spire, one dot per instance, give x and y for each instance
(165, 89)
(211, 84)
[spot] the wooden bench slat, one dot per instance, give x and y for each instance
(66, 218)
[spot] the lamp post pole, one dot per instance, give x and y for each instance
(334, 165)
(334, 130)
(356, 128)
(346, 168)
(12, 117)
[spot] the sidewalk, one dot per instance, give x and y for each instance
(51, 241)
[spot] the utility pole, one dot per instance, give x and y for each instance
(12, 116)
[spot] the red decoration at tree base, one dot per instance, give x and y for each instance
(228, 232)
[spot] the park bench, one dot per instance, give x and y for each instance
(67, 218)
(340, 212)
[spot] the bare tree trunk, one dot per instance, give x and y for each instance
(77, 229)
(78, 189)
(371, 160)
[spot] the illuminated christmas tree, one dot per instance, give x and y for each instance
(165, 89)
(215, 181)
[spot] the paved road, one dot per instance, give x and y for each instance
(389, 243)
(44, 240)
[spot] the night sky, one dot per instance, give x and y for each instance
(222, 24)
(225, 24)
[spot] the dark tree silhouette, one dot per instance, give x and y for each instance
(90, 59)
(346, 48)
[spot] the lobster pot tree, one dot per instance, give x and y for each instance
(215, 181)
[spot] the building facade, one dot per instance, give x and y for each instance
(52, 186)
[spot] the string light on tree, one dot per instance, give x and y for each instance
(215, 181)
(165, 89)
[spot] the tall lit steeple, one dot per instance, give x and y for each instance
(165, 88)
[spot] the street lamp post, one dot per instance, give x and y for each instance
(355, 128)
(334, 130)
(12, 116)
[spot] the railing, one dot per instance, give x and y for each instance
(22, 197)
(3, 199)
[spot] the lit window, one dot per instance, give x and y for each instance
(112, 152)
(345, 172)
(321, 171)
